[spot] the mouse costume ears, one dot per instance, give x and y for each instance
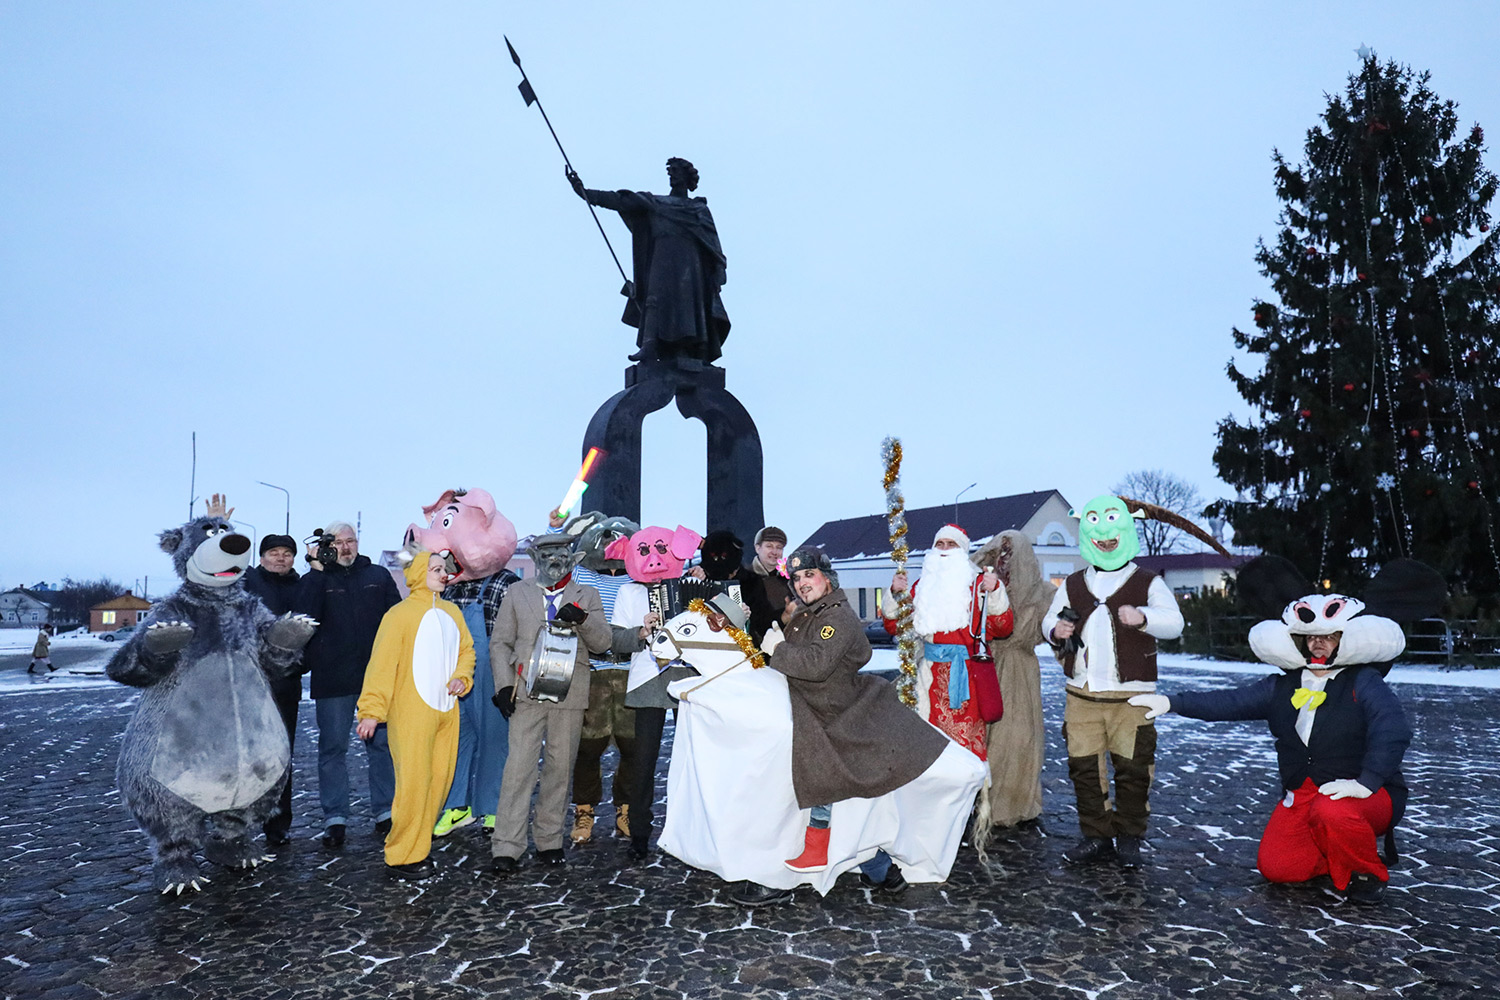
(1403, 590)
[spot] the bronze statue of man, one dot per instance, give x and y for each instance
(679, 267)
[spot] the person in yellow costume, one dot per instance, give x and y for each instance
(422, 663)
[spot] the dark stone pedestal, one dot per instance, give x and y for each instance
(735, 462)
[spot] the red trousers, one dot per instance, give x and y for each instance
(1317, 835)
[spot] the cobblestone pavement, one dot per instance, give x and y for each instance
(78, 917)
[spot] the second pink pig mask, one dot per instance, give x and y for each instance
(466, 525)
(655, 554)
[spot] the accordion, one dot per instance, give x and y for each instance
(670, 598)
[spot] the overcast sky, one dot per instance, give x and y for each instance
(332, 240)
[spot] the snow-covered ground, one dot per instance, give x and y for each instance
(23, 639)
(885, 659)
(90, 674)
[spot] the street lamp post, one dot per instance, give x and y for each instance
(288, 503)
(955, 499)
(254, 532)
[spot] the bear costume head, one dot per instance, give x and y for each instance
(207, 551)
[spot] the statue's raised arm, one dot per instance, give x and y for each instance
(678, 264)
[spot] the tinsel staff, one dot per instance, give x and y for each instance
(895, 514)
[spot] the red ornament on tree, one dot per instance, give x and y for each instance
(1360, 275)
(1304, 414)
(1348, 386)
(1473, 485)
(1426, 220)
(1414, 433)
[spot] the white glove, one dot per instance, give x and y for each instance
(1154, 704)
(774, 637)
(1345, 788)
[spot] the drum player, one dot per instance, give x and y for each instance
(546, 715)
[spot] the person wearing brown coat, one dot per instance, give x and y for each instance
(1017, 742)
(41, 653)
(851, 736)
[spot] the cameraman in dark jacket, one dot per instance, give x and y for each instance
(348, 598)
(274, 581)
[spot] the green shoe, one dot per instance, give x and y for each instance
(489, 821)
(451, 820)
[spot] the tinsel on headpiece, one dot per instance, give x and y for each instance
(895, 513)
(741, 638)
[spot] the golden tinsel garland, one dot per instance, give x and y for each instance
(741, 638)
(895, 508)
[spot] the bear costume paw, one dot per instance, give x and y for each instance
(290, 632)
(236, 853)
(167, 638)
(171, 877)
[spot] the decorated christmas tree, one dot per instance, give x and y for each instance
(1372, 368)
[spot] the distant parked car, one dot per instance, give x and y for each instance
(878, 636)
(123, 632)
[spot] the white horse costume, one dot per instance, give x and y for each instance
(731, 809)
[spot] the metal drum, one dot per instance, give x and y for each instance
(549, 672)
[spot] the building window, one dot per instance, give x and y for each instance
(1055, 538)
(106, 618)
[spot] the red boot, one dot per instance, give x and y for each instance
(814, 856)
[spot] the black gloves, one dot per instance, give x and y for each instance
(505, 700)
(571, 614)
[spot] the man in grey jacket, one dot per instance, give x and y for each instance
(540, 727)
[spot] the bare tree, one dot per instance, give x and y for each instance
(1165, 490)
(76, 597)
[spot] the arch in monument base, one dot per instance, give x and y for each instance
(735, 493)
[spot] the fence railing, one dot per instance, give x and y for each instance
(1458, 642)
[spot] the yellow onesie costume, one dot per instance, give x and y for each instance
(422, 645)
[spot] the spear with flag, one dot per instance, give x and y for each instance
(528, 94)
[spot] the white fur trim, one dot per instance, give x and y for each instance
(954, 534)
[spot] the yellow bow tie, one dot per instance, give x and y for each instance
(1302, 696)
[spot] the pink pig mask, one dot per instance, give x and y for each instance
(466, 525)
(655, 554)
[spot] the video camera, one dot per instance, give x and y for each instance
(328, 554)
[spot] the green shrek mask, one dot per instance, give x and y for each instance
(1107, 535)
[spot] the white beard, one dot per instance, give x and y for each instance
(943, 601)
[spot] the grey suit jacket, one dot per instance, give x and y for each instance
(522, 615)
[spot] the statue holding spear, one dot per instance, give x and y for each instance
(679, 265)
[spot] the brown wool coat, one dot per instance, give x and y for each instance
(851, 736)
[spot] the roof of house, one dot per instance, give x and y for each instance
(1190, 560)
(125, 602)
(981, 519)
(46, 598)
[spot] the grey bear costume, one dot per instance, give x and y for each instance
(204, 757)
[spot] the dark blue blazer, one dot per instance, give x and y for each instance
(1359, 731)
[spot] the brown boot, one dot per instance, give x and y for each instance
(622, 820)
(583, 824)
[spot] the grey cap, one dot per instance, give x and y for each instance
(731, 609)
